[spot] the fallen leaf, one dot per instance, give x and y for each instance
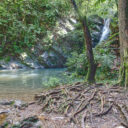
(3, 117)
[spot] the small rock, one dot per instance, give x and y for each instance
(19, 104)
(27, 125)
(30, 122)
(58, 118)
(1, 111)
(120, 127)
(6, 102)
(38, 124)
(33, 119)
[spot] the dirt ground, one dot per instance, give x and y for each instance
(74, 106)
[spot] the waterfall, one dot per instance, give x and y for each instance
(105, 31)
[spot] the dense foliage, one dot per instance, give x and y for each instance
(104, 58)
(23, 23)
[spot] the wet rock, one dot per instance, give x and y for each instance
(20, 64)
(11, 64)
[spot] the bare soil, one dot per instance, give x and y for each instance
(77, 106)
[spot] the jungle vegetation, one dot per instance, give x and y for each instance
(24, 24)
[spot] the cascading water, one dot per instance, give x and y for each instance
(106, 30)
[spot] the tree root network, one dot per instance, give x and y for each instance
(82, 102)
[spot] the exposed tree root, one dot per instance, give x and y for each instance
(84, 107)
(124, 117)
(80, 102)
(104, 113)
(83, 120)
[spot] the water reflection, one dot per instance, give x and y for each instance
(23, 84)
(28, 79)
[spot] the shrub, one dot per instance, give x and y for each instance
(78, 64)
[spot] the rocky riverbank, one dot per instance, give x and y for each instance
(71, 106)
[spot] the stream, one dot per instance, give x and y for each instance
(24, 84)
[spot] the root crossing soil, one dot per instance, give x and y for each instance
(88, 105)
(76, 106)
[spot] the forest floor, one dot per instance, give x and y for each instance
(71, 106)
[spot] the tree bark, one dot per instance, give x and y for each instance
(88, 44)
(123, 33)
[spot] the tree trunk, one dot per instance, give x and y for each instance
(123, 33)
(88, 43)
(89, 52)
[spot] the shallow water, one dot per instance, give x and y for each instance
(23, 84)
